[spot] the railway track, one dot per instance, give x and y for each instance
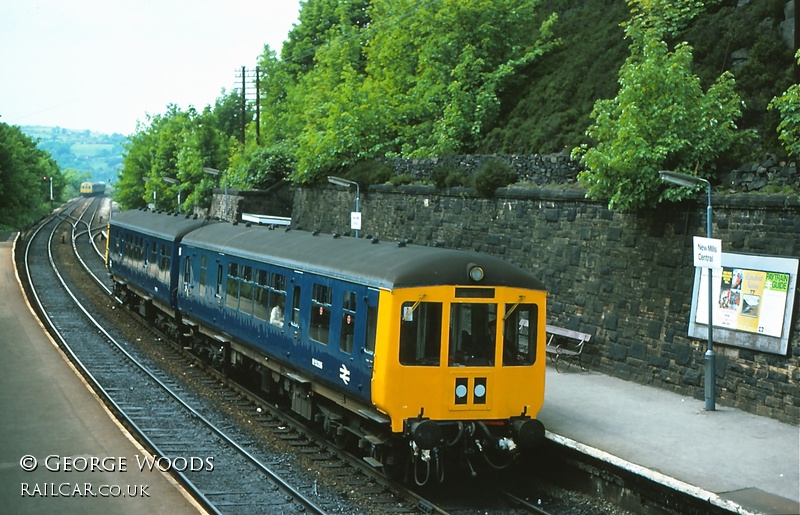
(182, 432)
(263, 461)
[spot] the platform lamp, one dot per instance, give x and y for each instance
(691, 181)
(338, 181)
(175, 181)
(218, 175)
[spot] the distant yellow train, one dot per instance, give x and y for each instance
(91, 189)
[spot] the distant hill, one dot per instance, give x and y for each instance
(95, 153)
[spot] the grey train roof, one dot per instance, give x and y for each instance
(167, 226)
(381, 265)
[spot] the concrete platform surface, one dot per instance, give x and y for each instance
(750, 463)
(50, 421)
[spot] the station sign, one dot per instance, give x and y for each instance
(355, 220)
(707, 252)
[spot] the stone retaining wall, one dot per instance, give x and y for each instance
(624, 278)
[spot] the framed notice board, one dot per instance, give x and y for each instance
(752, 302)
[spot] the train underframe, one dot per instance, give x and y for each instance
(420, 455)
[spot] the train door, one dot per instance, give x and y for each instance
(187, 275)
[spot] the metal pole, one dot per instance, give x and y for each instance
(358, 195)
(709, 356)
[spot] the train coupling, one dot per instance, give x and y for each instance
(425, 433)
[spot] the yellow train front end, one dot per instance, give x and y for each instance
(462, 368)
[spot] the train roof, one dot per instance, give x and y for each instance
(168, 226)
(387, 265)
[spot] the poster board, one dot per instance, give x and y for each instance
(752, 302)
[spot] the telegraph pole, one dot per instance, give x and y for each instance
(255, 77)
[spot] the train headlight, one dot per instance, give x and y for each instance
(475, 272)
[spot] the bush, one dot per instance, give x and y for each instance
(369, 172)
(449, 176)
(492, 175)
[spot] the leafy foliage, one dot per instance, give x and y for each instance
(360, 80)
(400, 78)
(449, 176)
(492, 175)
(788, 105)
(25, 175)
(176, 146)
(660, 119)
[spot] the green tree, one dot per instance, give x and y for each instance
(25, 175)
(417, 80)
(788, 105)
(175, 145)
(660, 118)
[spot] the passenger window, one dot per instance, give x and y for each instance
(473, 332)
(520, 334)
(320, 326)
(348, 322)
(203, 272)
(421, 333)
(232, 287)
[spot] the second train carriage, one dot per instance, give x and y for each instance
(390, 343)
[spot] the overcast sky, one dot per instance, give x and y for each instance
(104, 64)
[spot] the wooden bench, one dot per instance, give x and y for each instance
(565, 343)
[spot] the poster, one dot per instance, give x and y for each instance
(746, 300)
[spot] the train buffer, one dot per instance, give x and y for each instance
(565, 344)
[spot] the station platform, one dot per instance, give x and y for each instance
(738, 461)
(50, 417)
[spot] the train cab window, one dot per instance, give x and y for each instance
(520, 335)
(473, 332)
(372, 329)
(348, 322)
(421, 333)
(320, 326)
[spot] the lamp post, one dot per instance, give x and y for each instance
(175, 181)
(218, 174)
(690, 181)
(338, 181)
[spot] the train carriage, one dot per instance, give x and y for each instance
(142, 249)
(414, 352)
(91, 189)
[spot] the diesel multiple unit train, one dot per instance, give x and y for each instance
(422, 356)
(92, 189)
